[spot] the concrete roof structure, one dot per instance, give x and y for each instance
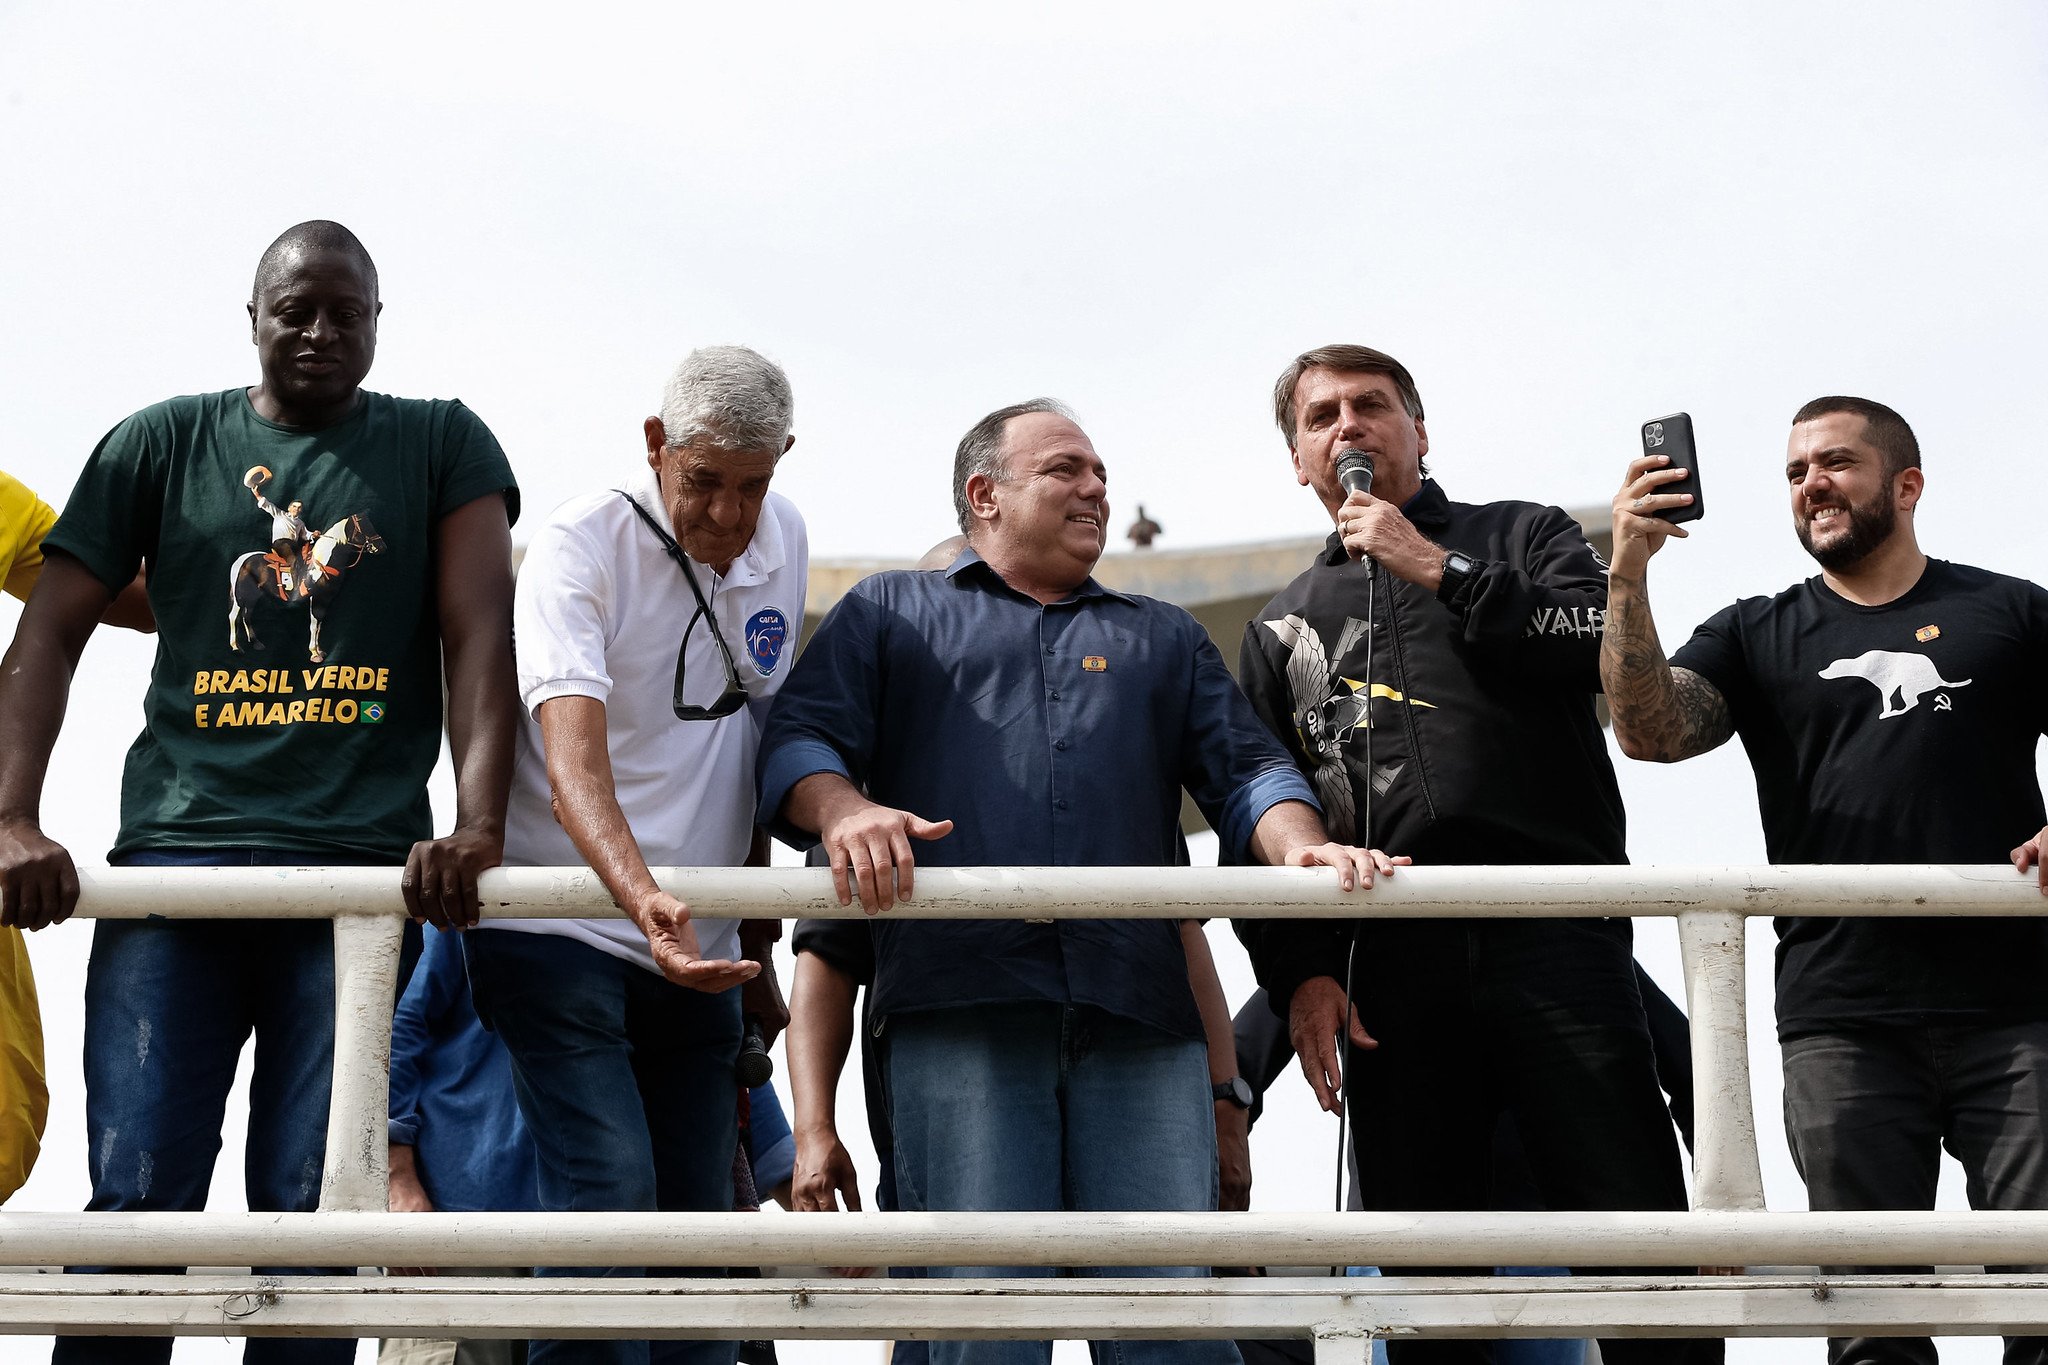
(1222, 585)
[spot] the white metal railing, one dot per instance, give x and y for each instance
(1729, 1226)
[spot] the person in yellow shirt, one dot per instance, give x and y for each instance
(24, 1094)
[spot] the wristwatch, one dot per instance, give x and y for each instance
(1237, 1090)
(1459, 571)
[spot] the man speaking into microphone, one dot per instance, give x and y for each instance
(1433, 675)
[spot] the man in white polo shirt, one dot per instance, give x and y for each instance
(654, 621)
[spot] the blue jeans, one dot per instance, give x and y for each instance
(1042, 1107)
(626, 1081)
(168, 1006)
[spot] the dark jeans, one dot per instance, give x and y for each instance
(627, 1082)
(1869, 1110)
(1538, 1019)
(168, 1006)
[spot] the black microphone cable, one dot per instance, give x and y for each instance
(1349, 466)
(1364, 826)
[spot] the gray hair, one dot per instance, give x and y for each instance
(981, 450)
(731, 397)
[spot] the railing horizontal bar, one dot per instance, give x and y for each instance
(1095, 892)
(1023, 1309)
(998, 1239)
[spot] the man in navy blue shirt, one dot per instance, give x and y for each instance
(1011, 710)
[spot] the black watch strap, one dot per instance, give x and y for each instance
(1459, 571)
(1237, 1090)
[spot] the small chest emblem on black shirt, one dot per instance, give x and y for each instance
(1094, 663)
(1901, 680)
(1926, 633)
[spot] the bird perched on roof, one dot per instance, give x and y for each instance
(1144, 530)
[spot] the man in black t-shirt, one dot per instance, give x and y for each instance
(1890, 708)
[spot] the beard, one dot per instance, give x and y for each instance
(1870, 525)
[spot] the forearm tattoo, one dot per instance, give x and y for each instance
(1660, 712)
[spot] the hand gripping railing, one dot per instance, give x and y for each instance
(1729, 1226)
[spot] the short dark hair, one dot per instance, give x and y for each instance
(1882, 427)
(1340, 357)
(981, 450)
(317, 234)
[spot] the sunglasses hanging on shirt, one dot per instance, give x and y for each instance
(735, 695)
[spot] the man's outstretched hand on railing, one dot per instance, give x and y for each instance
(441, 876)
(38, 883)
(1291, 834)
(869, 843)
(2029, 857)
(1356, 867)
(1319, 1009)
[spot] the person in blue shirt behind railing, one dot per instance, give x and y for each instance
(1011, 710)
(458, 1142)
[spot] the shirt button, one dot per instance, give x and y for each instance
(1059, 744)
(1060, 804)
(1048, 649)
(1055, 696)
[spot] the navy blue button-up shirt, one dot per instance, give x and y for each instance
(1053, 735)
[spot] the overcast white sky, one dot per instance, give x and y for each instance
(1565, 220)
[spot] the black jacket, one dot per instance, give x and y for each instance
(1483, 733)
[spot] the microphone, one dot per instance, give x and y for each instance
(754, 1066)
(1354, 471)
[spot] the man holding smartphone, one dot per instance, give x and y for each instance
(1890, 707)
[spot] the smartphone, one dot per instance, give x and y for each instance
(1672, 436)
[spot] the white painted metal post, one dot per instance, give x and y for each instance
(358, 1113)
(1342, 1346)
(1726, 1173)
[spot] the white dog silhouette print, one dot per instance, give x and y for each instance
(1908, 677)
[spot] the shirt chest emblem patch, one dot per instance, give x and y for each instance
(1094, 663)
(1926, 633)
(767, 632)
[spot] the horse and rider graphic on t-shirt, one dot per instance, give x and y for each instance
(301, 567)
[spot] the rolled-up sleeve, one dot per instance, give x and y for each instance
(1230, 763)
(826, 716)
(437, 984)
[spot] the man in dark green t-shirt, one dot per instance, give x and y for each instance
(292, 718)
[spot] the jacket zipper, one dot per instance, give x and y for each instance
(1393, 598)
